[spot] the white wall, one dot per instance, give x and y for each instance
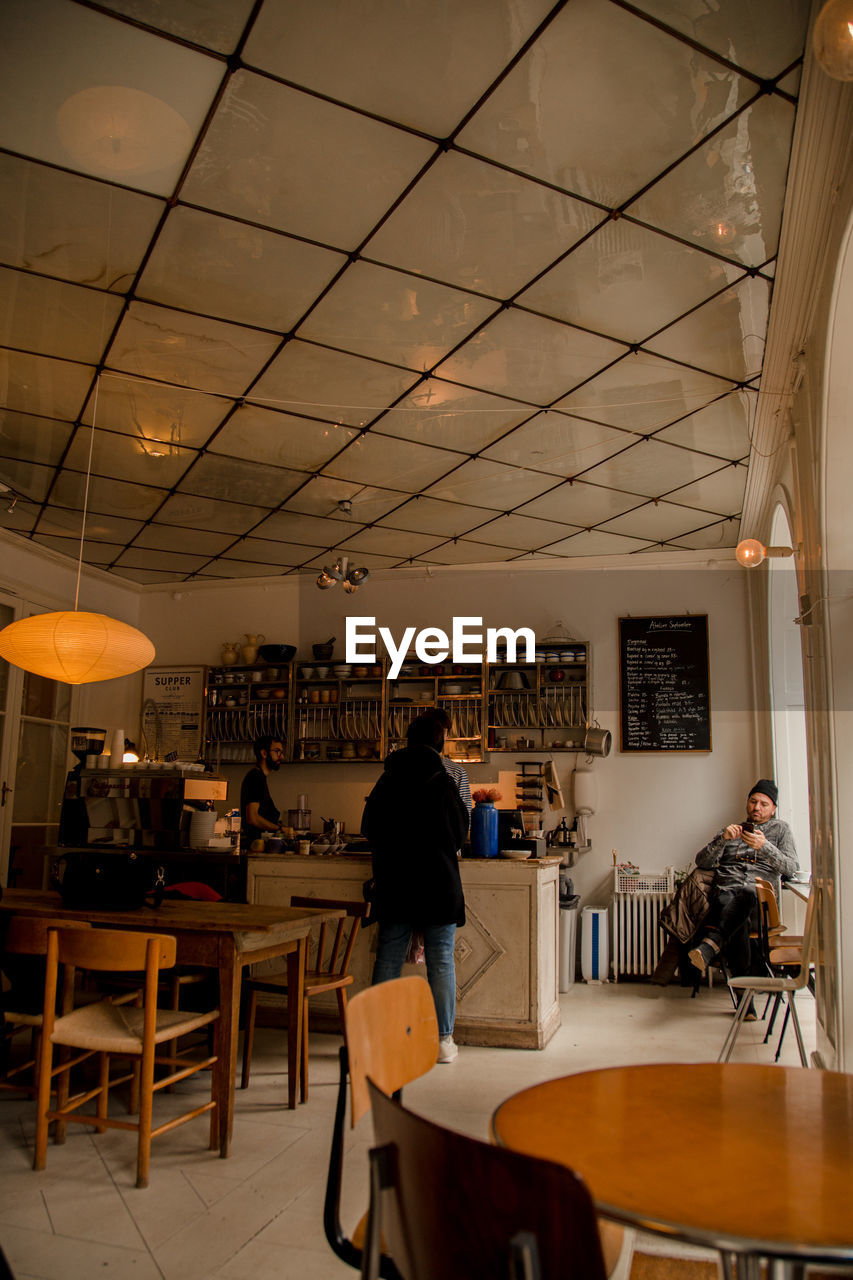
(655, 809)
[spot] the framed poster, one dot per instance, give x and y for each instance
(664, 684)
(172, 716)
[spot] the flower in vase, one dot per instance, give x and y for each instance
(485, 795)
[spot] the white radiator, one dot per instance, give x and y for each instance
(638, 940)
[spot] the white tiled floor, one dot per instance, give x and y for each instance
(257, 1215)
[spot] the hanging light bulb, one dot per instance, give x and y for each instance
(71, 646)
(751, 553)
(349, 586)
(325, 580)
(832, 39)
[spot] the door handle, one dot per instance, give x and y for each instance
(4, 792)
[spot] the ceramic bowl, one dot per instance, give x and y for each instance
(321, 672)
(320, 846)
(517, 855)
(307, 672)
(277, 652)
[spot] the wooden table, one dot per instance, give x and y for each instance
(221, 935)
(755, 1161)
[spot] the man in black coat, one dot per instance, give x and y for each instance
(416, 821)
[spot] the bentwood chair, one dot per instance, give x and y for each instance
(109, 1028)
(24, 948)
(454, 1207)
(327, 969)
(777, 984)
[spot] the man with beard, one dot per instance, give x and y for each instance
(258, 812)
(760, 845)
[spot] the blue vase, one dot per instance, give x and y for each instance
(484, 830)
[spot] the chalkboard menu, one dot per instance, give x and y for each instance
(664, 688)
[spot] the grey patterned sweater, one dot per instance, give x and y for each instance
(737, 865)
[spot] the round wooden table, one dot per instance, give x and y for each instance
(755, 1161)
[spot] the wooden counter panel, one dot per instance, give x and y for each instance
(506, 954)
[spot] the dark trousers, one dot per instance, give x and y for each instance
(727, 922)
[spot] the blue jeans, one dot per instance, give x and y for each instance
(391, 951)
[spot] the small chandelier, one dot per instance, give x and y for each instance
(352, 579)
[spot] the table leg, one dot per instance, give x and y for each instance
(295, 1001)
(785, 1269)
(230, 974)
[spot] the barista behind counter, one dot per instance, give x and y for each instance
(257, 810)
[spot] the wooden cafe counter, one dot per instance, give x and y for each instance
(506, 954)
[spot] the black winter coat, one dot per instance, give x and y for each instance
(415, 822)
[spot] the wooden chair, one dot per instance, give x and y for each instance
(327, 970)
(21, 1007)
(454, 1207)
(391, 1035)
(773, 985)
(109, 1028)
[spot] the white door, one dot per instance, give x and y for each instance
(10, 695)
(43, 725)
(35, 716)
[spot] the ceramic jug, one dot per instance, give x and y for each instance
(230, 653)
(250, 648)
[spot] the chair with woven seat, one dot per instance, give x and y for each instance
(327, 969)
(110, 1028)
(780, 984)
(455, 1207)
(24, 949)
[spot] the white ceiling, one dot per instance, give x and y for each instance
(497, 273)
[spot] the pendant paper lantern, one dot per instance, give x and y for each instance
(71, 646)
(75, 647)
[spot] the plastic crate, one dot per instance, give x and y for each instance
(642, 881)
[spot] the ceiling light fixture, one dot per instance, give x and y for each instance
(114, 130)
(751, 553)
(340, 571)
(72, 646)
(832, 39)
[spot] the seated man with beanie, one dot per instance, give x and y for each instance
(760, 845)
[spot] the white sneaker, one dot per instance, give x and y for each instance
(447, 1050)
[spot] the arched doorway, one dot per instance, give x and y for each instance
(831, 764)
(787, 694)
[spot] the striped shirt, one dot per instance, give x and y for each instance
(460, 777)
